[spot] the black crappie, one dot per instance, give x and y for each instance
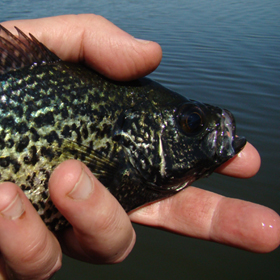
(141, 140)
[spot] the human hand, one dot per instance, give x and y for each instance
(102, 231)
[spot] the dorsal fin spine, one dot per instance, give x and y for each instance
(22, 51)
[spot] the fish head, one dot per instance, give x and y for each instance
(170, 145)
(170, 141)
(195, 139)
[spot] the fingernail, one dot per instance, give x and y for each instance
(14, 210)
(142, 41)
(83, 188)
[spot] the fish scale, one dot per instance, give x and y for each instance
(141, 140)
(49, 130)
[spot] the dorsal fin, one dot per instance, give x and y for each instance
(21, 51)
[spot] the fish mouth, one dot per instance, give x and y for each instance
(230, 140)
(222, 142)
(239, 143)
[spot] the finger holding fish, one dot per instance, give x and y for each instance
(101, 231)
(28, 249)
(244, 165)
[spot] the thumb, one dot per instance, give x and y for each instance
(96, 41)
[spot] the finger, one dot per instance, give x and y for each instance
(244, 165)
(202, 214)
(28, 248)
(102, 232)
(97, 42)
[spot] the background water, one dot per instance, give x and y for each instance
(222, 52)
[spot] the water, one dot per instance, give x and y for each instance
(220, 52)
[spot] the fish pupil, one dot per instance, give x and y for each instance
(194, 121)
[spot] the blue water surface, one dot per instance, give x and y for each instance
(220, 52)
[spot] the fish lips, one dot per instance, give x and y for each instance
(229, 128)
(222, 143)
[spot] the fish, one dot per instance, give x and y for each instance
(144, 142)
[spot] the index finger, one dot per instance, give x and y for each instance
(96, 41)
(244, 165)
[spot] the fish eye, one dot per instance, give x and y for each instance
(191, 119)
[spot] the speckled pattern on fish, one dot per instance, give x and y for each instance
(141, 140)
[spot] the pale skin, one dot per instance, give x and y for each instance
(101, 231)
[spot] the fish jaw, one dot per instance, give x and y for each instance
(223, 143)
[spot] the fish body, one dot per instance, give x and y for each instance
(143, 141)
